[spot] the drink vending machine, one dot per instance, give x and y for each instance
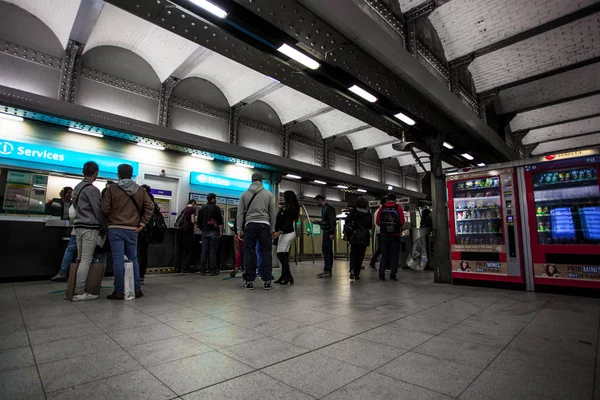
(484, 226)
(563, 207)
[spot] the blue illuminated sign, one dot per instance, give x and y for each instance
(55, 156)
(201, 178)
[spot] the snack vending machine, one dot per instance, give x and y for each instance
(484, 226)
(563, 203)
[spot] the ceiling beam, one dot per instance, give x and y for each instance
(568, 144)
(85, 20)
(193, 60)
(270, 88)
(562, 131)
(314, 114)
(554, 102)
(391, 141)
(349, 131)
(557, 123)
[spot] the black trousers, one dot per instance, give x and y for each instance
(187, 250)
(357, 256)
(143, 247)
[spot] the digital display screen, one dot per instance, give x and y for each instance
(590, 222)
(510, 219)
(562, 223)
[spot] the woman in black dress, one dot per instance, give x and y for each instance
(286, 224)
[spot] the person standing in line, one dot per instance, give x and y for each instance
(328, 231)
(210, 222)
(88, 222)
(286, 226)
(128, 209)
(361, 222)
(256, 223)
(66, 196)
(377, 252)
(144, 242)
(391, 220)
(186, 239)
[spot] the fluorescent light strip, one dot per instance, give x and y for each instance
(298, 56)
(11, 117)
(361, 190)
(95, 134)
(150, 146)
(363, 93)
(244, 165)
(467, 156)
(407, 120)
(292, 176)
(481, 164)
(342, 187)
(448, 145)
(319, 182)
(210, 7)
(202, 156)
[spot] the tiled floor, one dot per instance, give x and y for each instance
(194, 337)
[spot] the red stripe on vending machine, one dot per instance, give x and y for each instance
(484, 226)
(563, 199)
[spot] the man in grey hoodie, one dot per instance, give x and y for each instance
(88, 222)
(128, 209)
(256, 223)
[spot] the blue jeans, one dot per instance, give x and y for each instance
(257, 233)
(69, 256)
(123, 242)
(210, 242)
(327, 249)
(390, 249)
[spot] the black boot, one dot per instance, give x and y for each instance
(281, 257)
(286, 271)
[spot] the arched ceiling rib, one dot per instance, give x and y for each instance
(368, 138)
(562, 131)
(59, 15)
(164, 50)
(291, 105)
(336, 123)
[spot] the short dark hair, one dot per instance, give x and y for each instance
(192, 201)
(361, 202)
(319, 197)
(125, 171)
(391, 197)
(211, 197)
(90, 168)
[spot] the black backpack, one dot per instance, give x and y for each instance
(154, 232)
(389, 219)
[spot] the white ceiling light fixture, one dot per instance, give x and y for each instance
(95, 134)
(481, 164)
(342, 187)
(406, 119)
(363, 93)
(298, 56)
(211, 8)
(361, 190)
(151, 146)
(292, 176)
(390, 187)
(202, 156)
(11, 117)
(319, 182)
(239, 164)
(467, 156)
(448, 145)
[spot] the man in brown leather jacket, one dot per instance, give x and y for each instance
(128, 208)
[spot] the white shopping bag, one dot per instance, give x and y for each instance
(129, 281)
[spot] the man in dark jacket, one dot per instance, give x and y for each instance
(210, 222)
(88, 222)
(328, 225)
(186, 239)
(390, 219)
(128, 209)
(361, 222)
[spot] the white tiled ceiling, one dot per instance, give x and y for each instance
(290, 104)
(562, 131)
(164, 50)
(235, 80)
(387, 151)
(368, 137)
(464, 26)
(335, 122)
(566, 144)
(407, 159)
(59, 15)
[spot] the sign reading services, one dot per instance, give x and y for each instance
(55, 156)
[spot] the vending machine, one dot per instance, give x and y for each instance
(563, 206)
(484, 226)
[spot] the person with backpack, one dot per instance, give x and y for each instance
(256, 223)
(153, 233)
(210, 222)
(128, 209)
(88, 223)
(391, 220)
(360, 223)
(186, 240)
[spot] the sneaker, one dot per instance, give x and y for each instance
(352, 276)
(85, 296)
(59, 278)
(138, 294)
(394, 279)
(249, 285)
(116, 296)
(324, 274)
(268, 285)
(372, 267)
